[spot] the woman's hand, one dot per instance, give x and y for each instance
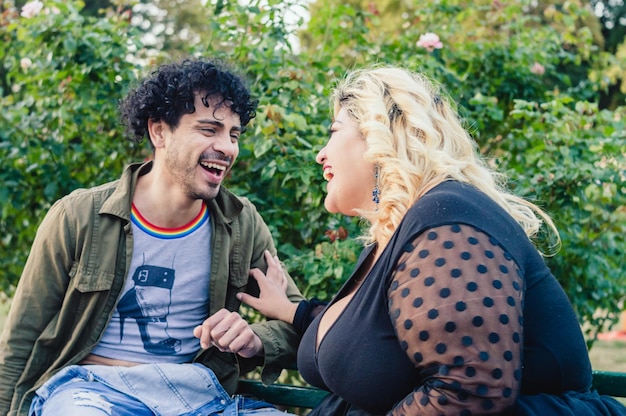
(272, 301)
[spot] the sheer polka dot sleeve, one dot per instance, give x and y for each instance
(456, 303)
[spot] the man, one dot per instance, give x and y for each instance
(127, 303)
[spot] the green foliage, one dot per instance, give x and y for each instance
(527, 79)
(60, 125)
(575, 168)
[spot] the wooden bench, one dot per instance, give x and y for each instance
(606, 382)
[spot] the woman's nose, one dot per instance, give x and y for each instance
(321, 156)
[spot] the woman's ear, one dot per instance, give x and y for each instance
(156, 130)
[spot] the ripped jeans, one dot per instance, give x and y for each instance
(142, 390)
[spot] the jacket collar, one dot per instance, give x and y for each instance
(224, 207)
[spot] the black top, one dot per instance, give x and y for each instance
(459, 315)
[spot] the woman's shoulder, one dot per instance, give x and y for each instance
(454, 192)
(454, 202)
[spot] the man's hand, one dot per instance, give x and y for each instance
(229, 332)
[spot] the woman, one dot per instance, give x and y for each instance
(450, 309)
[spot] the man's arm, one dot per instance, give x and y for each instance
(280, 340)
(37, 298)
(242, 248)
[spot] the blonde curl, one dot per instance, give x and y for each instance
(417, 140)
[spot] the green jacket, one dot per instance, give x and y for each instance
(77, 267)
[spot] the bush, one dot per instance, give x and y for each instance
(66, 75)
(527, 79)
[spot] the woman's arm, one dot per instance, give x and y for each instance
(456, 302)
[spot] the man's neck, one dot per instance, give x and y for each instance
(162, 205)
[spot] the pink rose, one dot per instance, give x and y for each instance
(25, 63)
(32, 8)
(538, 69)
(429, 41)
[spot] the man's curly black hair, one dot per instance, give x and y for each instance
(169, 93)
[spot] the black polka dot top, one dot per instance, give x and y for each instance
(459, 316)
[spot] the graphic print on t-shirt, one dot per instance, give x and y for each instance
(148, 303)
(165, 295)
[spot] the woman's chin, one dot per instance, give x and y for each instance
(330, 207)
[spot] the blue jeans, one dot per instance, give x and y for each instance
(143, 390)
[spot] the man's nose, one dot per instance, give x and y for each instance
(226, 144)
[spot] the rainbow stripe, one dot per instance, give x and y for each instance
(169, 233)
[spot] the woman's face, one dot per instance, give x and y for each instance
(350, 179)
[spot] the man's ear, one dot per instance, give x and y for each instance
(156, 131)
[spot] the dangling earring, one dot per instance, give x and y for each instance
(376, 191)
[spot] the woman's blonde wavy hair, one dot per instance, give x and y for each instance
(416, 139)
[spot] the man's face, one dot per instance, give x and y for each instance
(202, 149)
